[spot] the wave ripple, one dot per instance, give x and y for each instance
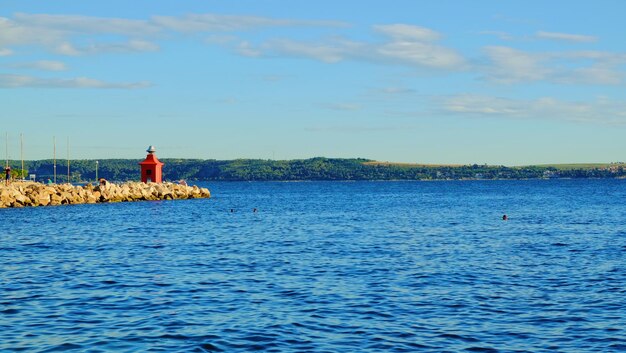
(323, 267)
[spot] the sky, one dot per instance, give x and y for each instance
(436, 82)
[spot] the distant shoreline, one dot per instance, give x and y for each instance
(313, 169)
(399, 180)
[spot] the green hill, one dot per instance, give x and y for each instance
(319, 168)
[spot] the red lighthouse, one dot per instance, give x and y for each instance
(151, 168)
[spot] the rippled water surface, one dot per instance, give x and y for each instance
(323, 267)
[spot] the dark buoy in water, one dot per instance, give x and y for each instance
(505, 218)
(232, 210)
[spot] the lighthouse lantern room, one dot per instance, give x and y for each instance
(151, 168)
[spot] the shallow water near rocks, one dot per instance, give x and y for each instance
(323, 267)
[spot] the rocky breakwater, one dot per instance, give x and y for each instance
(24, 194)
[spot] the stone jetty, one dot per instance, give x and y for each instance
(24, 193)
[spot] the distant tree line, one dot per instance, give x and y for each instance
(304, 169)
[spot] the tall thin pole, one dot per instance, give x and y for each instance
(54, 143)
(22, 154)
(6, 168)
(68, 160)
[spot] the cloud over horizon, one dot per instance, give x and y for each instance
(600, 110)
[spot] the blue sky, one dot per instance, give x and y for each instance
(496, 82)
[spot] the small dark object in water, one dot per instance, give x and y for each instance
(505, 218)
(210, 348)
(254, 210)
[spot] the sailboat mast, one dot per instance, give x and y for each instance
(22, 154)
(54, 144)
(68, 160)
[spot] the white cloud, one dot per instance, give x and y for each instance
(404, 32)
(597, 57)
(543, 35)
(481, 105)
(76, 35)
(406, 45)
(246, 49)
(421, 54)
(565, 37)
(18, 81)
(66, 48)
(108, 48)
(415, 46)
(595, 75)
(61, 33)
(225, 23)
(508, 66)
(66, 24)
(397, 44)
(13, 34)
(599, 111)
(329, 52)
(45, 65)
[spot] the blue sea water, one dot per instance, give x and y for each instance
(323, 267)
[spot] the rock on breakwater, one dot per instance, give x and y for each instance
(23, 194)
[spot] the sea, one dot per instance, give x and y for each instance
(323, 267)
